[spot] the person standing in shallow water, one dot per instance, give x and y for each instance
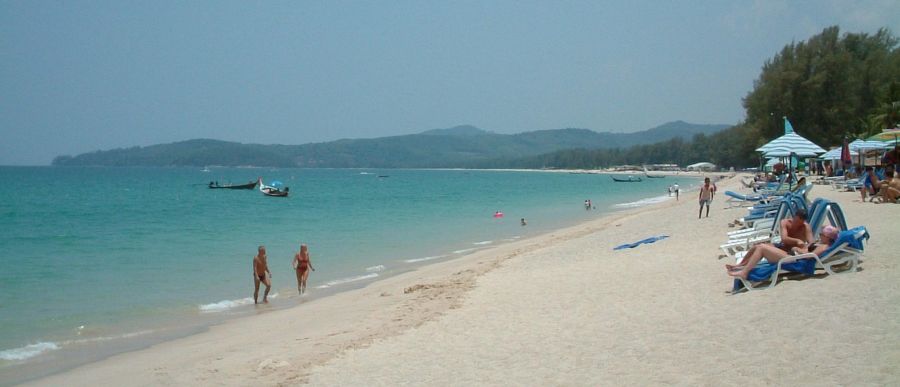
(262, 274)
(302, 266)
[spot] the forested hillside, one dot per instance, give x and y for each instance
(441, 148)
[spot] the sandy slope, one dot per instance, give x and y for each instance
(563, 309)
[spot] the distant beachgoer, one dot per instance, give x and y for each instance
(670, 191)
(774, 254)
(676, 190)
(587, 204)
(705, 197)
(498, 214)
(524, 223)
(302, 266)
(590, 204)
(262, 274)
(800, 184)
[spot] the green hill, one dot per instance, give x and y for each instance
(460, 146)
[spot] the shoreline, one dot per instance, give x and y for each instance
(474, 264)
(204, 320)
(563, 308)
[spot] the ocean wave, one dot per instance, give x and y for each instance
(27, 352)
(482, 243)
(414, 260)
(376, 268)
(33, 350)
(229, 304)
(463, 251)
(644, 202)
(347, 280)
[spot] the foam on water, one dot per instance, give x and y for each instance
(463, 251)
(347, 280)
(482, 243)
(423, 259)
(374, 269)
(27, 352)
(229, 304)
(644, 202)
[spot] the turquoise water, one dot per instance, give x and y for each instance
(95, 257)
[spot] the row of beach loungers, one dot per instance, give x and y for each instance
(766, 208)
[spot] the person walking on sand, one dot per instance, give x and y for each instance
(302, 266)
(706, 191)
(262, 274)
(675, 188)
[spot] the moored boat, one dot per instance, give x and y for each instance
(271, 190)
(629, 179)
(215, 185)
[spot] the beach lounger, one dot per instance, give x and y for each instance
(736, 199)
(768, 273)
(847, 249)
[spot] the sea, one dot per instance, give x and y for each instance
(102, 260)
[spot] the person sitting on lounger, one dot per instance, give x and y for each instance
(795, 232)
(773, 254)
(890, 187)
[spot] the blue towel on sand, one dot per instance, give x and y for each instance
(640, 242)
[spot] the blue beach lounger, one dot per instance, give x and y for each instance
(846, 249)
(736, 199)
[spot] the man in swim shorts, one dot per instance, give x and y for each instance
(705, 197)
(262, 274)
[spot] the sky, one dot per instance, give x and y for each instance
(80, 76)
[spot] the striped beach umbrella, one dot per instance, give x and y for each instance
(835, 154)
(791, 143)
(858, 145)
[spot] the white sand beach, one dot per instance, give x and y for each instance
(565, 309)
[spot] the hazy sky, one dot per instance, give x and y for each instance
(78, 76)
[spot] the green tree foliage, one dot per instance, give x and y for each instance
(828, 86)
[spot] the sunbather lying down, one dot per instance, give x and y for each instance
(774, 254)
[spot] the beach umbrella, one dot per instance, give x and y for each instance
(845, 155)
(866, 145)
(835, 154)
(791, 143)
(888, 135)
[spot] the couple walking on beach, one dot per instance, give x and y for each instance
(261, 274)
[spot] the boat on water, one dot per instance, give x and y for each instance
(272, 190)
(215, 185)
(649, 176)
(629, 179)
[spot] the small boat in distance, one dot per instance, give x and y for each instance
(649, 176)
(270, 190)
(215, 185)
(205, 169)
(629, 179)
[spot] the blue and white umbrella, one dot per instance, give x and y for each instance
(835, 154)
(863, 145)
(790, 143)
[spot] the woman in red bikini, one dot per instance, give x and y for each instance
(302, 266)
